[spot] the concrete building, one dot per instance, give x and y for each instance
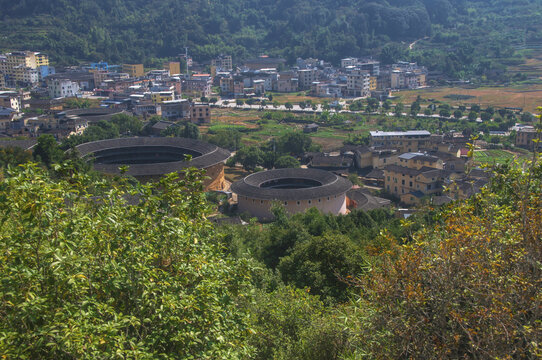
(306, 78)
(199, 85)
(525, 138)
(175, 109)
(358, 83)
(133, 70)
(10, 99)
(411, 185)
(200, 113)
(173, 67)
(159, 97)
(404, 141)
(223, 63)
(296, 189)
(62, 88)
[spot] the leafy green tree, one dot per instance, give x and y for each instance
(415, 108)
(239, 102)
(89, 276)
(191, 131)
(126, 124)
(286, 161)
(445, 112)
(485, 116)
(13, 156)
(373, 103)
(229, 139)
(294, 143)
(399, 108)
(289, 106)
(250, 157)
(473, 116)
(391, 53)
(319, 263)
(47, 150)
(458, 114)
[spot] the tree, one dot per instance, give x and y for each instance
(427, 111)
(391, 53)
(191, 131)
(453, 293)
(126, 124)
(485, 116)
(239, 102)
(289, 106)
(319, 262)
(458, 114)
(86, 275)
(373, 103)
(386, 105)
(286, 161)
(204, 99)
(213, 100)
(294, 143)
(47, 150)
(445, 113)
(250, 157)
(473, 116)
(13, 156)
(399, 107)
(415, 108)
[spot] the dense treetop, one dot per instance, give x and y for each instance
(146, 31)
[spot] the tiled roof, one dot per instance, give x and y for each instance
(331, 185)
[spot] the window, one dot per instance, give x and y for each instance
(286, 203)
(310, 202)
(299, 203)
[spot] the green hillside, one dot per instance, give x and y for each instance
(147, 31)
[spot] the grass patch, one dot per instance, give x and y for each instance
(498, 156)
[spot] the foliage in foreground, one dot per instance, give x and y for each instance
(87, 277)
(469, 288)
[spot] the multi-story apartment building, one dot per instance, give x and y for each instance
(358, 83)
(223, 63)
(416, 160)
(61, 88)
(199, 85)
(404, 141)
(161, 96)
(9, 99)
(176, 109)
(347, 62)
(411, 185)
(133, 70)
(200, 113)
(173, 67)
(23, 67)
(306, 78)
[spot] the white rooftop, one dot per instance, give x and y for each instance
(400, 133)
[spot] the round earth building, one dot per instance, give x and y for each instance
(296, 189)
(150, 158)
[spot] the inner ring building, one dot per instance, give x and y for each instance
(296, 189)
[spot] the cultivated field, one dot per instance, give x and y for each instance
(498, 156)
(528, 97)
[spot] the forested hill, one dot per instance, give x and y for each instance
(145, 30)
